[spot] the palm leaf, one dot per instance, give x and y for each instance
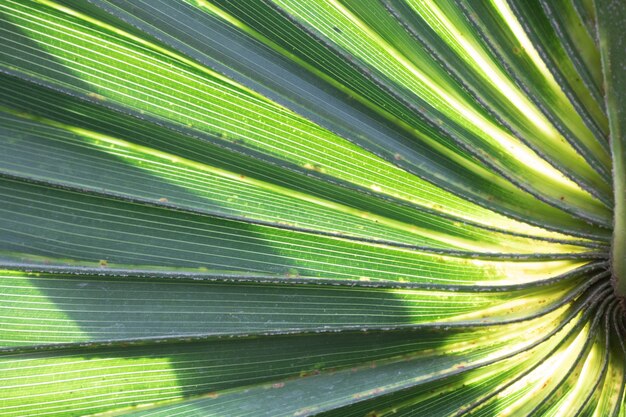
(288, 208)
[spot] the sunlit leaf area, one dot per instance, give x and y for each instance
(338, 208)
